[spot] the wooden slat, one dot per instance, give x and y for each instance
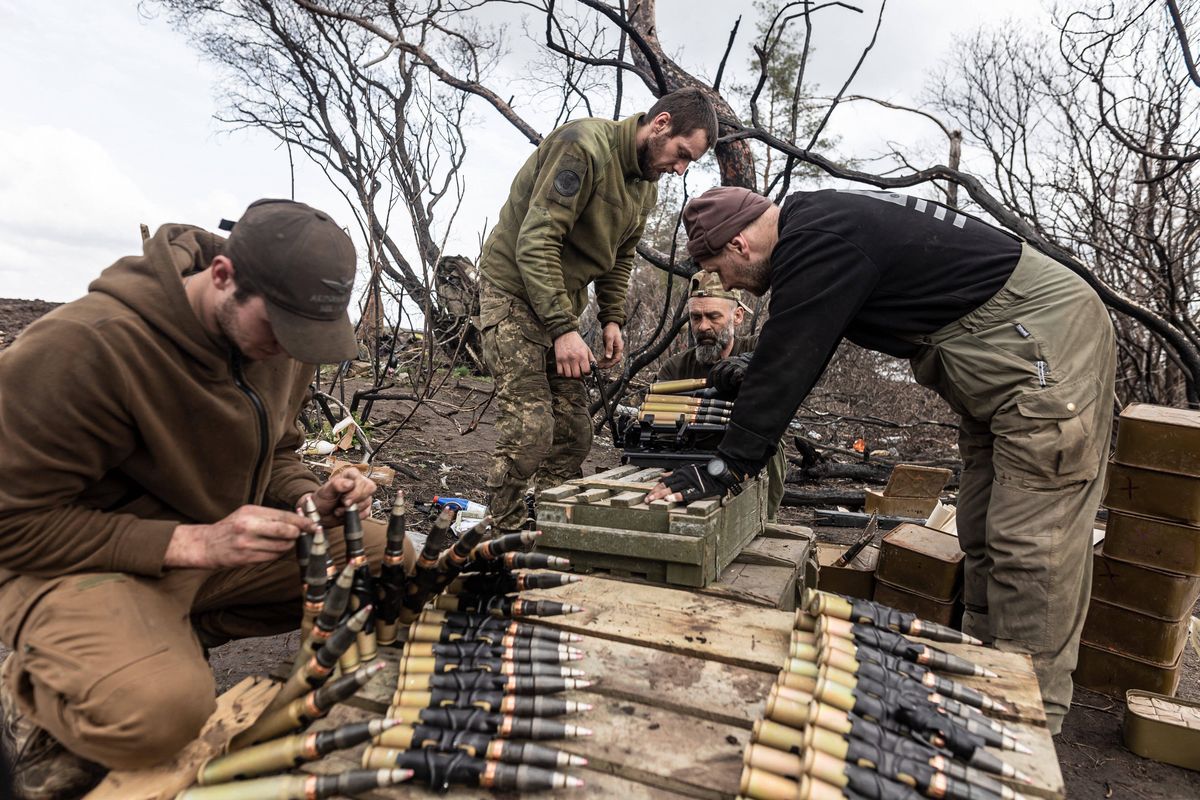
(592, 495)
(774, 552)
(580, 540)
(772, 586)
(675, 621)
(610, 474)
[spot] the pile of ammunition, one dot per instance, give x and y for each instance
(860, 711)
(677, 421)
(473, 679)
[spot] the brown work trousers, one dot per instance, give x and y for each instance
(111, 664)
(1031, 371)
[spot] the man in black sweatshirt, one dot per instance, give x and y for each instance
(1016, 343)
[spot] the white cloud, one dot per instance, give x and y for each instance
(67, 209)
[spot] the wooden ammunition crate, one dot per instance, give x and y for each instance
(602, 523)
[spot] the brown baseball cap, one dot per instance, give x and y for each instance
(716, 216)
(302, 263)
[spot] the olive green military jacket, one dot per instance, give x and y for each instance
(573, 217)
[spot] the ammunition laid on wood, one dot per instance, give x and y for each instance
(867, 612)
(538, 651)
(288, 752)
(865, 754)
(493, 583)
(301, 787)
(493, 702)
(304, 710)
(897, 644)
(490, 629)
(781, 729)
(314, 672)
(390, 587)
(504, 606)
(423, 664)
(490, 681)
(442, 770)
(476, 744)
(504, 726)
(893, 671)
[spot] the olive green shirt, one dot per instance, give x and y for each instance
(573, 217)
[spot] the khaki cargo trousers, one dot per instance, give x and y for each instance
(1031, 371)
(110, 664)
(543, 426)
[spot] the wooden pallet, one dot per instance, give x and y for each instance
(603, 524)
(682, 678)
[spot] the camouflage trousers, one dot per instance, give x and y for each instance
(544, 430)
(1031, 371)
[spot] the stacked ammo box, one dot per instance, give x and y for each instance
(1146, 574)
(921, 571)
(602, 523)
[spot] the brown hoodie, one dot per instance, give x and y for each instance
(122, 417)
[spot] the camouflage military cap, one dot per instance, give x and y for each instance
(708, 284)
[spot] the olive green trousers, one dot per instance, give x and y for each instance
(1031, 371)
(110, 664)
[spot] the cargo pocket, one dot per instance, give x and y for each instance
(493, 307)
(1046, 439)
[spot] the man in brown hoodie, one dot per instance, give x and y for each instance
(147, 484)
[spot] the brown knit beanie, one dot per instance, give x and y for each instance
(715, 217)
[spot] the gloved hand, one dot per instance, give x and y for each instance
(726, 376)
(697, 481)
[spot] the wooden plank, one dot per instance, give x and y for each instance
(584, 539)
(591, 495)
(610, 474)
(772, 586)
(675, 621)
(778, 530)
(628, 499)
(775, 552)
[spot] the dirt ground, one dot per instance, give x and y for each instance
(432, 457)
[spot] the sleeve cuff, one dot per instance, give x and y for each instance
(563, 327)
(745, 449)
(141, 547)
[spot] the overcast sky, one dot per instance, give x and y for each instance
(108, 123)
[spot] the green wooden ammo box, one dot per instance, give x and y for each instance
(601, 523)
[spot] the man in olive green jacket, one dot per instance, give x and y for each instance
(572, 219)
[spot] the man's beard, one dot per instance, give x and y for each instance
(710, 353)
(756, 277)
(646, 154)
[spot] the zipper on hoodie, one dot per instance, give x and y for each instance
(239, 380)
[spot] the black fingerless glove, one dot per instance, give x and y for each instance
(698, 481)
(727, 375)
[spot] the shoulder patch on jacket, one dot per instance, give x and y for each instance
(566, 182)
(569, 173)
